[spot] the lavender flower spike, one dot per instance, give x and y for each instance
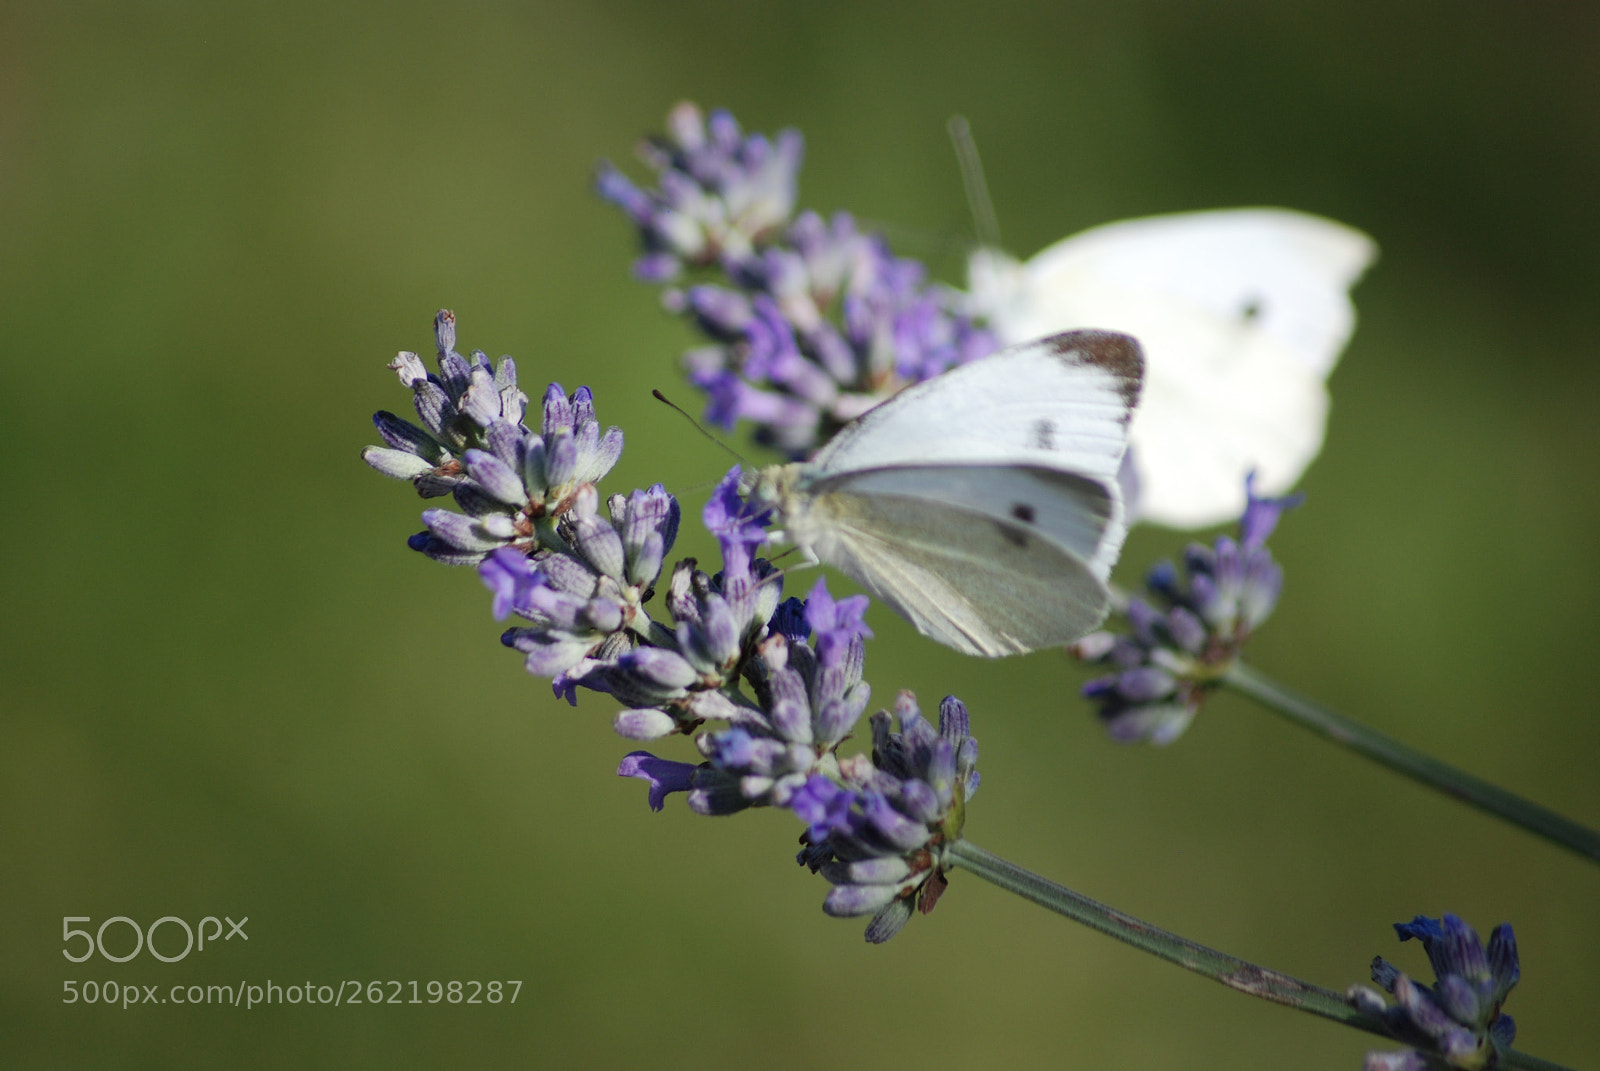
(824, 325)
(720, 194)
(512, 484)
(1457, 1022)
(456, 408)
(811, 322)
(805, 701)
(585, 602)
(1176, 650)
(879, 836)
(784, 678)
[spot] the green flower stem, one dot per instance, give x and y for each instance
(1414, 764)
(1231, 971)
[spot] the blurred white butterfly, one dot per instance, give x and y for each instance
(1242, 314)
(982, 504)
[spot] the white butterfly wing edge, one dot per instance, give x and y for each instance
(1242, 312)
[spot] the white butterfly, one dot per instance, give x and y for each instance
(1242, 314)
(981, 504)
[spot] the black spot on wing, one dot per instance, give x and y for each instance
(1023, 512)
(1252, 309)
(1119, 354)
(1044, 434)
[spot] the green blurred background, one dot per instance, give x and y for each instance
(227, 687)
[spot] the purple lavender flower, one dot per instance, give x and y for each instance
(664, 775)
(879, 834)
(814, 322)
(739, 526)
(691, 675)
(586, 602)
(456, 407)
(513, 485)
(589, 627)
(1175, 652)
(818, 330)
(1457, 1022)
(804, 701)
(721, 193)
(783, 678)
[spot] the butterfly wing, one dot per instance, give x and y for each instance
(1242, 314)
(1061, 402)
(983, 504)
(989, 560)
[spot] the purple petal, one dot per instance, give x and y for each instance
(511, 577)
(1261, 514)
(664, 775)
(823, 806)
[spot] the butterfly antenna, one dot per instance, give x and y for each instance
(670, 404)
(983, 217)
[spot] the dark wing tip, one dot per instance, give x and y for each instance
(1119, 354)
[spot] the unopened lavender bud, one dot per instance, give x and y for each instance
(838, 717)
(561, 459)
(437, 412)
(1458, 998)
(1186, 630)
(495, 477)
(498, 527)
(583, 408)
(889, 921)
(714, 642)
(1504, 966)
(403, 435)
(1366, 999)
(1094, 647)
(461, 533)
(955, 724)
(644, 724)
(398, 464)
(883, 870)
(717, 795)
(599, 544)
(1144, 685)
(1395, 1061)
(444, 331)
(894, 830)
(534, 471)
(660, 668)
(558, 412)
(603, 456)
(409, 367)
(723, 314)
(657, 267)
(601, 615)
(846, 901)
(919, 800)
